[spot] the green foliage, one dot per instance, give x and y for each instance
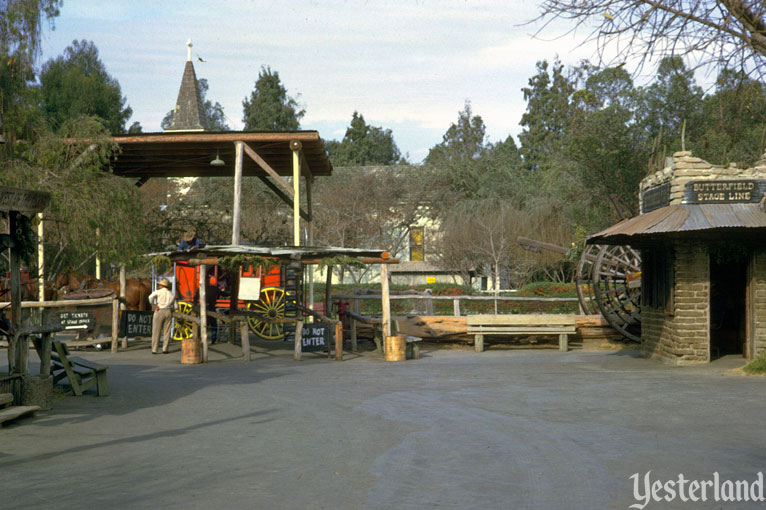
(345, 262)
(215, 119)
(234, 262)
(25, 239)
(756, 366)
(364, 145)
(77, 83)
(269, 108)
(20, 24)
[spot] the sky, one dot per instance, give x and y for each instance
(405, 65)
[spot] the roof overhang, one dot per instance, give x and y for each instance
(746, 222)
(305, 254)
(188, 154)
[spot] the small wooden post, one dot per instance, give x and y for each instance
(203, 309)
(40, 261)
(123, 306)
(339, 341)
(478, 343)
(245, 335)
(429, 305)
(327, 291)
(563, 342)
(355, 308)
(456, 307)
(115, 322)
(298, 340)
(386, 300)
(236, 210)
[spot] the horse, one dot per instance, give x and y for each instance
(137, 290)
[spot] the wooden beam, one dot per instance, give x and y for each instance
(303, 136)
(235, 224)
(281, 194)
(21, 351)
(267, 168)
(203, 309)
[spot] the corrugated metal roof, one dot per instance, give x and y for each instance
(685, 218)
(286, 252)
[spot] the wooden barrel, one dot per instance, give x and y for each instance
(191, 351)
(396, 348)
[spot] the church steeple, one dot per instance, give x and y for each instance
(188, 114)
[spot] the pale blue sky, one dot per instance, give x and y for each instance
(407, 65)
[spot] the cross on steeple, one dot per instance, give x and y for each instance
(188, 50)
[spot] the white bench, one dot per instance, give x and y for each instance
(521, 325)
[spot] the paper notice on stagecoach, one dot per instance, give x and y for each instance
(249, 289)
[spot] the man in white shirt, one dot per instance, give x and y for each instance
(164, 300)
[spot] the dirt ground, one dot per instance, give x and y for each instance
(506, 428)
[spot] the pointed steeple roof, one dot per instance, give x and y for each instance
(188, 114)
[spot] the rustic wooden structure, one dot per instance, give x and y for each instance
(295, 256)
(702, 236)
(81, 373)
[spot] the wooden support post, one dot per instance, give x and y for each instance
(429, 305)
(354, 308)
(115, 322)
(203, 309)
(236, 210)
(21, 351)
(563, 342)
(385, 300)
(123, 306)
(40, 261)
(298, 340)
(456, 307)
(45, 356)
(478, 343)
(245, 335)
(295, 146)
(339, 341)
(327, 290)
(309, 182)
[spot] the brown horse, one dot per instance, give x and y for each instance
(137, 290)
(29, 290)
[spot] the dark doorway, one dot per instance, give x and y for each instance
(728, 305)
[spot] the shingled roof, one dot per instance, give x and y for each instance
(188, 114)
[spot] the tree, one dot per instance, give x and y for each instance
(548, 112)
(20, 23)
(463, 142)
(215, 119)
(77, 83)
(92, 211)
(269, 108)
(364, 145)
(720, 33)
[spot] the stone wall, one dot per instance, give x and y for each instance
(758, 303)
(683, 337)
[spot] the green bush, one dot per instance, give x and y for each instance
(756, 366)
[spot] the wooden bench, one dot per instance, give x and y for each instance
(521, 325)
(82, 374)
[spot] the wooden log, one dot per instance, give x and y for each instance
(236, 210)
(297, 341)
(115, 322)
(385, 300)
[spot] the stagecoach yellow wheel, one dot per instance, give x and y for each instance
(271, 305)
(183, 329)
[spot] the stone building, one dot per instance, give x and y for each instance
(702, 236)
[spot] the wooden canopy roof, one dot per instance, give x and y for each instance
(188, 154)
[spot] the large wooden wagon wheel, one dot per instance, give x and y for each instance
(271, 305)
(603, 275)
(183, 329)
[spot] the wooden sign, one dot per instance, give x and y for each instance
(317, 336)
(724, 192)
(655, 198)
(23, 200)
(77, 320)
(134, 324)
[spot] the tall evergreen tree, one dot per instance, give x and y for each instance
(364, 145)
(77, 83)
(269, 108)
